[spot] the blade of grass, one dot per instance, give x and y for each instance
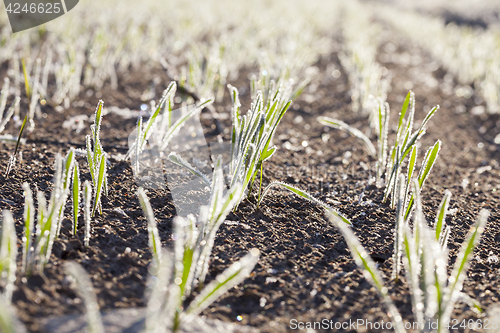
(26, 79)
(90, 158)
(180, 122)
(412, 268)
(153, 235)
(398, 230)
(370, 272)
(138, 146)
(354, 131)
(8, 255)
(235, 274)
(76, 196)
(445, 234)
(306, 196)
(411, 168)
(8, 320)
(87, 195)
(441, 215)
(410, 96)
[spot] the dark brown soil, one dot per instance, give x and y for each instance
(306, 271)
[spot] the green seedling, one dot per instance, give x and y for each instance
(8, 319)
(8, 255)
(69, 166)
(48, 217)
(404, 144)
(398, 229)
(34, 93)
(31, 91)
(434, 293)
(87, 206)
(29, 224)
(96, 159)
(382, 130)
(252, 134)
(251, 138)
(441, 230)
(26, 79)
(12, 158)
(165, 308)
(427, 164)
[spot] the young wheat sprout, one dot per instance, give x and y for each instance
(12, 158)
(34, 93)
(404, 146)
(8, 255)
(154, 237)
(177, 278)
(252, 134)
(96, 159)
(398, 230)
(69, 165)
